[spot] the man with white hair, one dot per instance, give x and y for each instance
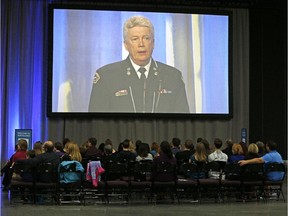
(138, 83)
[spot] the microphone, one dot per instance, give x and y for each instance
(159, 93)
(153, 102)
(144, 96)
(132, 98)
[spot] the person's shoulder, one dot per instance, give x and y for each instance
(224, 154)
(113, 67)
(166, 66)
(179, 154)
(168, 72)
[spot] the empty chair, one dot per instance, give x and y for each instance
(117, 180)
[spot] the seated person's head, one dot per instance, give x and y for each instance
(237, 149)
(253, 148)
(92, 141)
(165, 148)
(271, 145)
(48, 146)
(189, 144)
(23, 145)
(107, 149)
(38, 147)
(126, 144)
(58, 146)
(30, 154)
(229, 143)
(176, 142)
(218, 143)
(143, 150)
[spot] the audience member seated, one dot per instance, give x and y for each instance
(207, 146)
(28, 176)
(126, 154)
(154, 149)
(132, 147)
(92, 152)
(199, 157)
(108, 155)
(38, 148)
(184, 156)
(21, 153)
(83, 148)
(73, 153)
(261, 147)
(143, 152)
(120, 148)
(252, 152)
(167, 156)
(270, 157)
(109, 142)
(101, 148)
(228, 149)
(137, 144)
(49, 156)
(217, 155)
(237, 153)
(6, 171)
(244, 147)
(199, 139)
(64, 141)
(176, 145)
(58, 148)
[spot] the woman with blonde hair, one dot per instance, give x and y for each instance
(38, 148)
(252, 152)
(199, 157)
(200, 154)
(72, 153)
(237, 153)
(155, 148)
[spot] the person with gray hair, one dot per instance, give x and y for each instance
(261, 148)
(138, 84)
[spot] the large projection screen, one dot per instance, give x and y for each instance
(196, 46)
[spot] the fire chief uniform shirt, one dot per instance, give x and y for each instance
(117, 88)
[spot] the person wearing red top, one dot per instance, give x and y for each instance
(21, 154)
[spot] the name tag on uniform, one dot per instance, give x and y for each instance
(121, 93)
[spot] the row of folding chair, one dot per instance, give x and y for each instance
(33, 185)
(233, 181)
(47, 183)
(128, 182)
(250, 183)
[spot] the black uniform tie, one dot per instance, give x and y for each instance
(142, 70)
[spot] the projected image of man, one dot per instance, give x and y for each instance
(139, 83)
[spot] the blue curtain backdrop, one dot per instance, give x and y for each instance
(23, 69)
